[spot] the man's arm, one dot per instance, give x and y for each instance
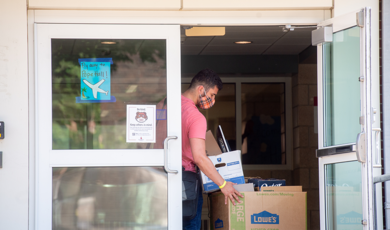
(198, 148)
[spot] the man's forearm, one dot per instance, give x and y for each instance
(208, 168)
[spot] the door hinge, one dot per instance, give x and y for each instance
(361, 79)
(360, 18)
(364, 222)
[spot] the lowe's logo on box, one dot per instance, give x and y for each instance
(264, 217)
(218, 223)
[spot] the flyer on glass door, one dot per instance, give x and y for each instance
(141, 124)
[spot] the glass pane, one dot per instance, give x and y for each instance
(342, 88)
(89, 113)
(120, 198)
(263, 130)
(343, 197)
(223, 113)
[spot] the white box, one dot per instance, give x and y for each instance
(229, 166)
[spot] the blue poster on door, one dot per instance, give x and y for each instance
(95, 80)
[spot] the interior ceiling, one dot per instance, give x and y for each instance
(266, 40)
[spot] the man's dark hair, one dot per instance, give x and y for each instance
(208, 78)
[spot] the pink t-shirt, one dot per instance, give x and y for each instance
(193, 125)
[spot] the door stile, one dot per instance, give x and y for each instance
(366, 108)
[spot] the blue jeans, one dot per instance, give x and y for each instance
(195, 224)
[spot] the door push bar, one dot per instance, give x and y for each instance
(166, 168)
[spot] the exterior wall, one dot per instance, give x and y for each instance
(255, 4)
(181, 4)
(14, 112)
(227, 18)
(14, 81)
(106, 5)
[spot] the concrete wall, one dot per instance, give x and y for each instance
(14, 112)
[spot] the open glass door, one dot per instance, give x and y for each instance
(108, 102)
(345, 124)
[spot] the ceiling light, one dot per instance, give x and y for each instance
(108, 43)
(243, 42)
(204, 31)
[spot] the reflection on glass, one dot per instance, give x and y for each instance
(121, 198)
(263, 129)
(138, 76)
(343, 199)
(223, 113)
(342, 89)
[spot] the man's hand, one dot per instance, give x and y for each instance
(230, 192)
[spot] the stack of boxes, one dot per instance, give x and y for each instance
(273, 206)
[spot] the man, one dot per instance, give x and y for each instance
(201, 92)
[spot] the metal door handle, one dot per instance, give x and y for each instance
(377, 161)
(166, 155)
(361, 147)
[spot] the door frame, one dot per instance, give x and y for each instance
(234, 18)
(47, 158)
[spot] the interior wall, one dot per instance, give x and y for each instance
(14, 112)
(305, 171)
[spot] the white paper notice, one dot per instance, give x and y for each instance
(141, 124)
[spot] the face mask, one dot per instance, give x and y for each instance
(205, 102)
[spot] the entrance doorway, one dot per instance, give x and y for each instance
(269, 94)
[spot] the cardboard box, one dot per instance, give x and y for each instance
(228, 166)
(259, 182)
(260, 210)
(212, 147)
